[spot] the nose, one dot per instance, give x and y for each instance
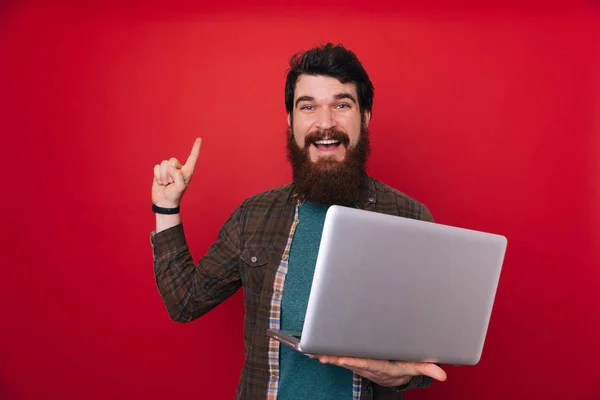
(325, 119)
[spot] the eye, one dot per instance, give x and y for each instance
(307, 107)
(343, 105)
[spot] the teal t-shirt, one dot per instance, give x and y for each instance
(302, 377)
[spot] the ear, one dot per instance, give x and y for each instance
(367, 117)
(289, 118)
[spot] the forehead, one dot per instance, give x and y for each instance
(322, 87)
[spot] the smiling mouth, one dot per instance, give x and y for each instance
(327, 145)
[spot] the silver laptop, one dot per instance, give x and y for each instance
(395, 288)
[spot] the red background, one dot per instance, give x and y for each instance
(490, 115)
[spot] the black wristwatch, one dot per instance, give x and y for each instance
(163, 210)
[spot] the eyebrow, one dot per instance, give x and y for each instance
(338, 96)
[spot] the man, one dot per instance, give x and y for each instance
(270, 242)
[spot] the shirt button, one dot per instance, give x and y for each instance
(285, 257)
(371, 199)
(273, 376)
(253, 259)
(277, 294)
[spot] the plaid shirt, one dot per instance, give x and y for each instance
(251, 251)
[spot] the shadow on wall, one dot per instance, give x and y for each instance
(5, 392)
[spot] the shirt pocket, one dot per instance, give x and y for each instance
(253, 263)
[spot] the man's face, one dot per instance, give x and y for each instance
(326, 117)
(327, 146)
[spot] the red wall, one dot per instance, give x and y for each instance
(489, 115)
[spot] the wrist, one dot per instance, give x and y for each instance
(399, 383)
(403, 381)
(167, 215)
(402, 384)
(166, 203)
(164, 221)
(165, 210)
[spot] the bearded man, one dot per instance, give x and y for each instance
(269, 243)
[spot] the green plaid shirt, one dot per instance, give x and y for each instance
(251, 251)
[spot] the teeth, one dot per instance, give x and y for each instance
(327, 141)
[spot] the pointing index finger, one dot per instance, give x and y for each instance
(194, 155)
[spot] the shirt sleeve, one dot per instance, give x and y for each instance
(420, 381)
(189, 290)
(426, 214)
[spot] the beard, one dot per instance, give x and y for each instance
(328, 181)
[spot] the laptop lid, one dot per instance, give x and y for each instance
(401, 289)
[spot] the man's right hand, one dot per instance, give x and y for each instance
(171, 179)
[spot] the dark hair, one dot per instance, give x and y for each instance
(334, 61)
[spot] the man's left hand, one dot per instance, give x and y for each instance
(386, 373)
